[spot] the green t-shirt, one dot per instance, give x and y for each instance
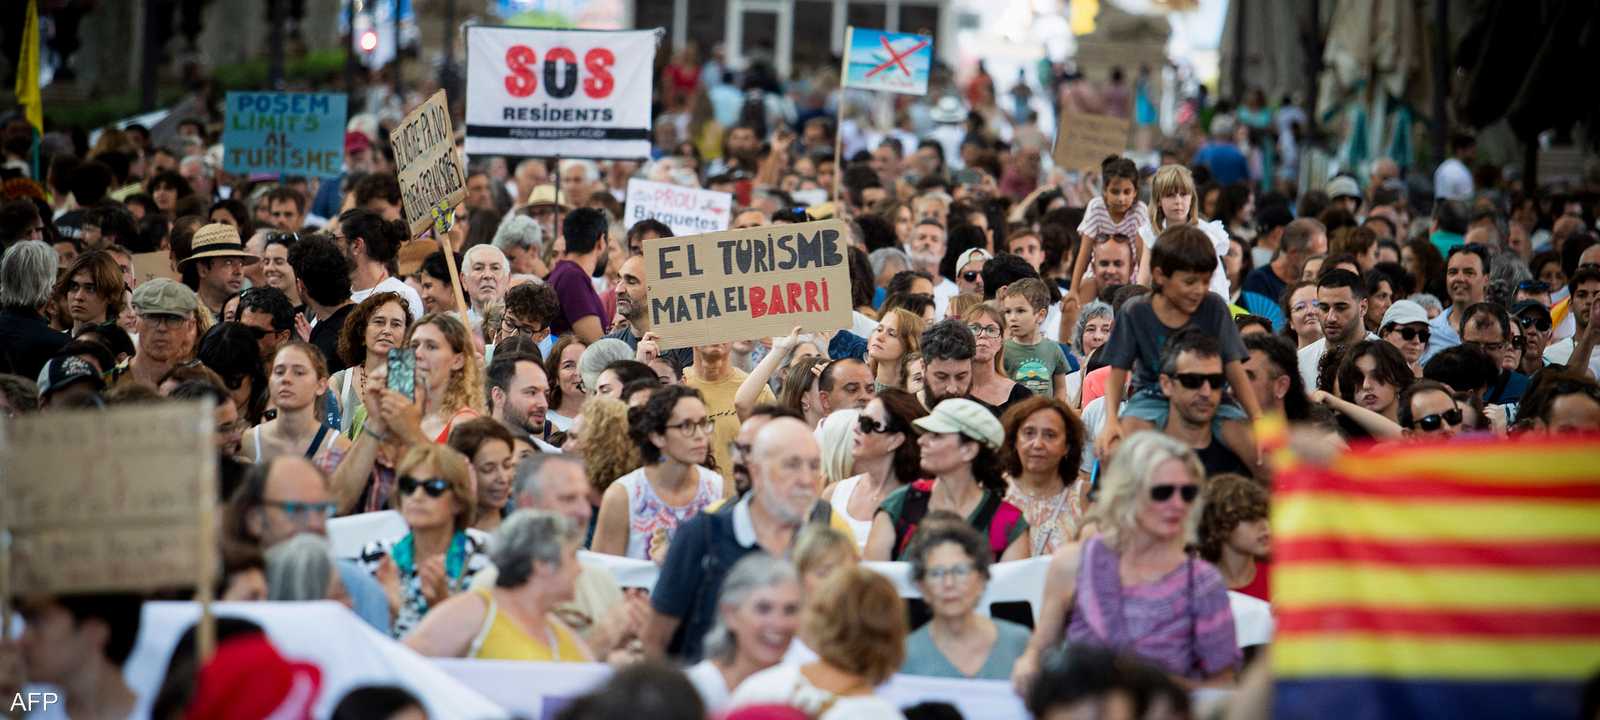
(1035, 366)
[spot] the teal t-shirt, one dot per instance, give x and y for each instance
(924, 658)
(1035, 366)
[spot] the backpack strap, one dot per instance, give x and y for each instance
(911, 513)
(488, 622)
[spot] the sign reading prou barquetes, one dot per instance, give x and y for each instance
(559, 93)
(756, 282)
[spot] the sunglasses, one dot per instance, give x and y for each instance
(971, 276)
(434, 487)
(1163, 493)
(869, 426)
(1431, 423)
(1409, 333)
(1542, 324)
(1193, 381)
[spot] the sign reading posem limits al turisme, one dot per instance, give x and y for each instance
(284, 133)
(751, 283)
(567, 93)
(431, 172)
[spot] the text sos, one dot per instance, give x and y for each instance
(560, 72)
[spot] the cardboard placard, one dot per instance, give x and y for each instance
(559, 93)
(887, 61)
(151, 265)
(284, 133)
(432, 174)
(109, 500)
(1084, 140)
(751, 283)
(687, 210)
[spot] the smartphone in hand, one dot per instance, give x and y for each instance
(403, 372)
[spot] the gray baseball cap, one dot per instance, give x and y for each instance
(164, 296)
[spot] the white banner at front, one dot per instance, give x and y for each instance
(687, 210)
(566, 93)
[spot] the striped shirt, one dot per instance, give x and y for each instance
(1097, 222)
(1181, 623)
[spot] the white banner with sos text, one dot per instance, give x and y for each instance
(566, 93)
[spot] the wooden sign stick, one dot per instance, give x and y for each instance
(443, 219)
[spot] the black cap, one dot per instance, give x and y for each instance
(1522, 306)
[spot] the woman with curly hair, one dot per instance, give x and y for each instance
(375, 327)
(449, 374)
(1234, 535)
(600, 436)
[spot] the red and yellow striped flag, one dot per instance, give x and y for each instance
(1458, 580)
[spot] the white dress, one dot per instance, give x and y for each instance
(784, 685)
(652, 522)
(841, 501)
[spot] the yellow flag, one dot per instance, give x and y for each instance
(1081, 15)
(28, 70)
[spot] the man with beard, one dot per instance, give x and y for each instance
(1466, 276)
(1342, 302)
(947, 351)
(741, 150)
(1193, 381)
(1585, 295)
(927, 251)
(783, 475)
(718, 382)
(633, 306)
(519, 395)
(166, 321)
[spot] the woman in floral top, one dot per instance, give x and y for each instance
(442, 552)
(1044, 444)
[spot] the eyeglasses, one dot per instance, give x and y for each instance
(869, 425)
(510, 326)
(1488, 347)
(1431, 423)
(1304, 305)
(958, 573)
(1193, 381)
(303, 510)
(971, 276)
(1410, 333)
(1163, 493)
(1534, 321)
(434, 487)
(984, 331)
(688, 427)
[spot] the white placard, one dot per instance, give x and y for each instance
(566, 93)
(687, 210)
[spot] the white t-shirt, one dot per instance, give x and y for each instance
(713, 688)
(394, 285)
(1219, 242)
(1311, 355)
(784, 685)
(942, 293)
(1561, 353)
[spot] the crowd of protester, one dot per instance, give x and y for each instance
(1040, 363)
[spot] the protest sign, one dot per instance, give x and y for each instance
(892, 62)
(103, 500)
(687, 210)
(284, 133)
(1083, 140)
(151, 265)
(749, 283)
(559, 93)
(431, 172)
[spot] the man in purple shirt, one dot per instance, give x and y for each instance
(584, 231)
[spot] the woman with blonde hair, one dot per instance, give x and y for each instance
(836, 436)
(991, 387)
(441, 551)
(857, 624)
(1172, 188)
(898, 334)
(600, 437)
(1134, 588)
(449, 379)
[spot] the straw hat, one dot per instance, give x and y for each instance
(547, 195)
(218, 240)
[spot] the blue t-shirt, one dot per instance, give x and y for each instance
(1227, 164)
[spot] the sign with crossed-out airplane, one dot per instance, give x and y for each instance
(892, 62)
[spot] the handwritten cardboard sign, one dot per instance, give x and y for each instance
(687, 210)
(151, 265)
(284, 133)
(431, 172)
(1084, 140)
(103, 500)
(749, 283)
